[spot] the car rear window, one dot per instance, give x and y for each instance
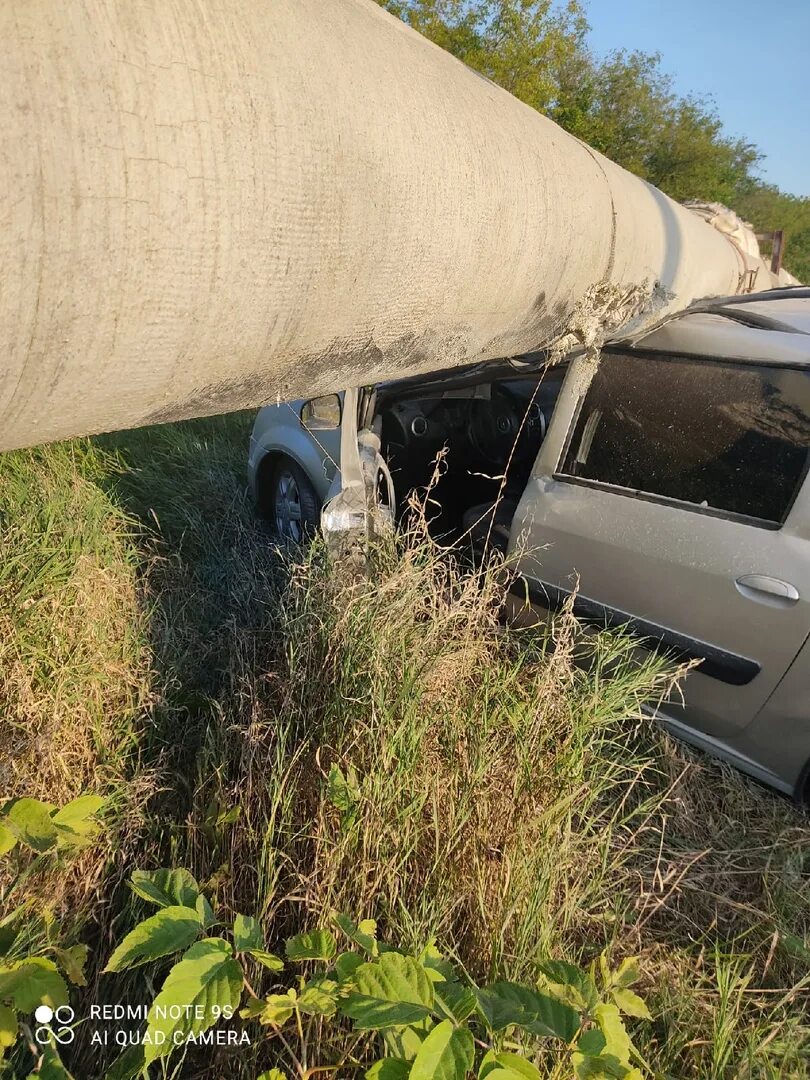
(720, 436)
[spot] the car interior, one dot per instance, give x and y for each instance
(486, 425)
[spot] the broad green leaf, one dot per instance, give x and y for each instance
(205, 912)
(312, 945)
(8, 1028)
(166, 888)
(75, 820)
(389, 1068)
(569, 995)
(446, 1054)
(434, 974)
(504, 1004)
(364, 935)
(506, 1066)
(373, 1014)
(617, 1041)
(456, 1001)
(627, 973)
(253, 1009)
(247, 934)
(404, 1042)
(346, 965)
(272, 1074)
(559, 971)
(604, 968)
(166, 932)
(631, 1004)
(591, 1041)
(488, 1063)
(128, 1065)
(30, 821)
(31, 982)
(50, 1065)
(318, 997)
(277, 1008)
(570, 984)
(601, 1067)
(393, 991)
(72, 962)
(206, 976)
(7, 839)
(434, 961)
(267, 959)
(339, 792)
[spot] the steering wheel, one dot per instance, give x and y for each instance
(494, 425)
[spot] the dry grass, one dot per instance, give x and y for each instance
(461, 736)
(508, 801)
(73, 670)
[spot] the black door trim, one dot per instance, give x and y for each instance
(715, 662)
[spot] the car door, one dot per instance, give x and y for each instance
(677, 503)
(321, 418)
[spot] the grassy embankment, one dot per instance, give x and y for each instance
(153, 648)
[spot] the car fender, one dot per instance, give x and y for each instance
(301, 449)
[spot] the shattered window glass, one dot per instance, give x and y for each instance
(726, 436)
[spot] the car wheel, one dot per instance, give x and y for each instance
(293, 504)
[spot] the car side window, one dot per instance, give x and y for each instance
(717, 435)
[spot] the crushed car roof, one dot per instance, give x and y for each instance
(771, 326)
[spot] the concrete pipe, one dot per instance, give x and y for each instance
(209, 204)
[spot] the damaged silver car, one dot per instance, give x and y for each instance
(666, 485)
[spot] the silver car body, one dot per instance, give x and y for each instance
(279, 433)
(678, 568)
(726, 589)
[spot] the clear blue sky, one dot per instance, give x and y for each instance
(752, 58)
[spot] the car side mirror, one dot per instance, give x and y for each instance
(321, 413)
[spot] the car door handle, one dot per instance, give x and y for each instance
(767, 590)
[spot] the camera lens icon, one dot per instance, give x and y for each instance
(46, 1016)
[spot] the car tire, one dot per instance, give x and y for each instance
(293, 507)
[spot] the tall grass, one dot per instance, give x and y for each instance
(70, 656)
(484, 762)
(74, 673)
(505, 793)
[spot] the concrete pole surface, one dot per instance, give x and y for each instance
(210, 204)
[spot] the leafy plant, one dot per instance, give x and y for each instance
(42, 827)
(343, 793)
(206, 983)
(40, 978)
(421, 1017)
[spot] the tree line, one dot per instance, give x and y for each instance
(622, 104)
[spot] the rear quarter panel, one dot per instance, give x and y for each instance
(779, 735)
